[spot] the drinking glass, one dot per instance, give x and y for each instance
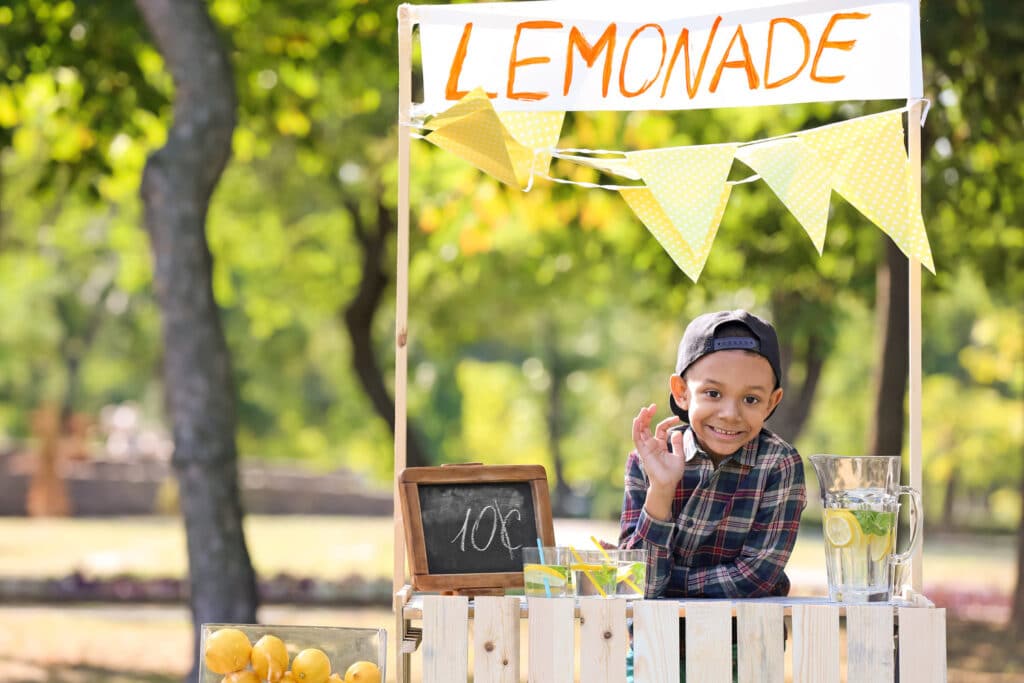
(594, 573)
(631, 574)
(546, 572)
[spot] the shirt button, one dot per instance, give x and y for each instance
(689, 523)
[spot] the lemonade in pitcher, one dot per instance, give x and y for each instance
(860, 509)
(859, 538)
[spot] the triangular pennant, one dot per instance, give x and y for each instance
(871, 170)
(471, 103)
(502, 145)
(650, 212)
(686, 182)
(798, 177)
(537, 132)
(480, 139)
(619, 167)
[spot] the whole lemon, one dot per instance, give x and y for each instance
(246, 676)
(363, 672)
(311, 666)
(227, 650)
(270, 658)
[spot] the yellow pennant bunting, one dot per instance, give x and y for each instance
(687, 183)
(611, 166)
(501, 145)
(650, 212)
(869, 167)
(537, 131)
(798, 177)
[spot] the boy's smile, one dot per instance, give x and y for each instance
(728, 395)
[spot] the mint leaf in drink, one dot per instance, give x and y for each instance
(875, 523)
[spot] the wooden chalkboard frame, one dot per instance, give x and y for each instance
(409, 481)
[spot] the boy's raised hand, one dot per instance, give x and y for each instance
(664, 469)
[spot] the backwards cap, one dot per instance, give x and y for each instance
(701, 338)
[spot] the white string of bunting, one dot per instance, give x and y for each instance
(685, 189)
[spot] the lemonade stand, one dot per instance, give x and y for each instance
(497, 81)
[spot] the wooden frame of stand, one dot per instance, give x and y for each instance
(407, 17)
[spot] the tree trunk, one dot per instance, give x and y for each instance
(949, 501)
(556, 372)
(890, 380)
(1017, 610)
(176, 187)
(791, 415)
(359, 315)
(76, 341)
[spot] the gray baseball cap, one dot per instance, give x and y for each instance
(701, 339)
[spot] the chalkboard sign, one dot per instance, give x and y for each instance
(466, 525)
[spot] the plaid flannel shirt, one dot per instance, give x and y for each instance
(732, 528)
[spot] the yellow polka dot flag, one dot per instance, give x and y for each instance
(798, 177)
(869, 167)
(536, 132)
(653, 216)
(510, 146)
(687, 182)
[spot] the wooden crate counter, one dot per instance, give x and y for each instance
(596, 628)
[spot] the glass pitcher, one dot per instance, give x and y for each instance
(860, 501)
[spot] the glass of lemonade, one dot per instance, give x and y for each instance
(631, 573)
(595, 572)
(860, 538)
(546, 572)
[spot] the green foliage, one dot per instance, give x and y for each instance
(511, 294)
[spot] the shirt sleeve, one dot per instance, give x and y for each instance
(759, 567)
(639, 531)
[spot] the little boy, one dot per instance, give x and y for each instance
(716, 501)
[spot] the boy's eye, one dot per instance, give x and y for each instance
(712, 393)
(751, 400)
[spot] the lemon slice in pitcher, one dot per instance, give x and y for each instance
(880, 546)
(841, 528)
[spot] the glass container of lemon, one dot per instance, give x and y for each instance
(247, 653)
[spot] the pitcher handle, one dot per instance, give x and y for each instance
(916, 523)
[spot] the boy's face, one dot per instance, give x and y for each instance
(728, 395)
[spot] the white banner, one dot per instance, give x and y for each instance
(573, 55)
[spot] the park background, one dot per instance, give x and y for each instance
(540, 321)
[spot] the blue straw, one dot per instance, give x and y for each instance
(540, 549)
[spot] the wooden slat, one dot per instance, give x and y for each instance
(445, 639)
(869, 643)
(760, 646)
(922, 645)
(496, 640)
(708, 642)
(815, 644)
(656, 641)
(552, 640)
(603, 640)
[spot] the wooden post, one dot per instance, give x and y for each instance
(402, 275)
(405, 22)
(914, 339)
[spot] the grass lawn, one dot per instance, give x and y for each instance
(151, 644)
(335, 547)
